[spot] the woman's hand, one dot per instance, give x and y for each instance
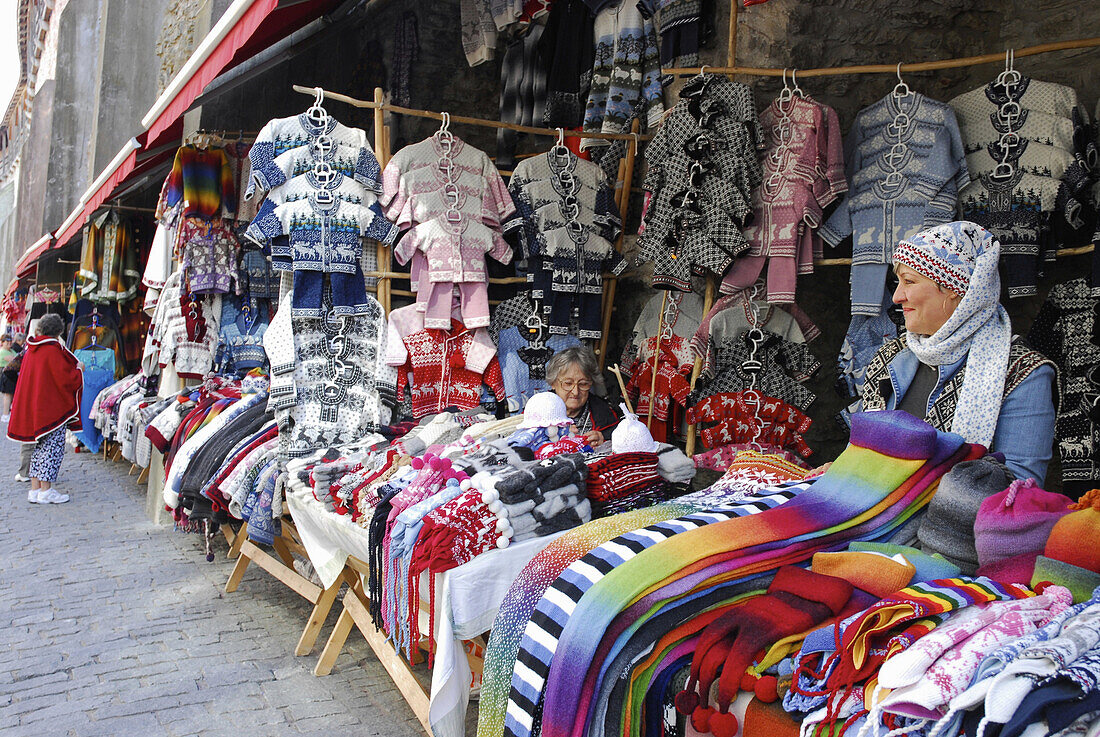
(594, 438)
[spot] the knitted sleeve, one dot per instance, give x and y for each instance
(839, 225)
(498, 206)
(393, 198)
(228, 188)
(834, 153)
(373, 224)
(481, 352)
(1046, 335)
(494, 379)
(268, 224)
(958, 150)
(368, 171)
(279, 346)
(408, 244)
(796, 358)
(173, 185)
(396, 352)
(652, 91)
(500, 250)
(260, 156)
(608, 218)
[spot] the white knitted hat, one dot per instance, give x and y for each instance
(545, 409)
(632, 436)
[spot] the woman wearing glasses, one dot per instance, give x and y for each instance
(572, 374)
(957, 365)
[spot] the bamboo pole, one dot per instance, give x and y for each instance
(656, 359)
(923, 66)
(374, 104)
(708, 302)
(623, 200)
(381, 154)
(731, 47)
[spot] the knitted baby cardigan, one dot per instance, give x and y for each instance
(284, 134)
(626, 72)
(929, 169)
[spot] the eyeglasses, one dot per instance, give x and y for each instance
(569, 385)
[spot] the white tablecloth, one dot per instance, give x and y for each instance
(468, 599)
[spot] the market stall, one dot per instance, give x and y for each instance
(382, 370)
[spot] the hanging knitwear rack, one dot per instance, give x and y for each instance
(382, 151)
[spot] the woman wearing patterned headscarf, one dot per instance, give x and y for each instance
(957, 365)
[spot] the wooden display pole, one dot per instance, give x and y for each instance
(381, 153)
(923, 66)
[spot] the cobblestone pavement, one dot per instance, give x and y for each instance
(118, 627)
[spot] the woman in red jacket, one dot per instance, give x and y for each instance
(47, 399)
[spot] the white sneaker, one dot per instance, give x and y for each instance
(21, 477)
(32, 495)
(52, 496)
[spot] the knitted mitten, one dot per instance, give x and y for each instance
(797, 600)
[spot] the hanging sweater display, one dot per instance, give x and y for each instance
(803, 173)
(1032, 176)
(108, 260)
(441, 368)
(201, 181)
(453, 198)
(567, 223)
(672, 365)
(183, 332)
(906, 165)
(701, 171)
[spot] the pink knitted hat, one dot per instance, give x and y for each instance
(1014, 525)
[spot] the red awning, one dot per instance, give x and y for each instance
(28, 262)
(257, 26)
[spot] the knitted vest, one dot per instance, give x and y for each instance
(877, 386)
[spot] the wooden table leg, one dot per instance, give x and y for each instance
(318, 616)
(335, 643)
(237, 574)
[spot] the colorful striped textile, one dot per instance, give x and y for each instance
(888, 470)
(528, 668)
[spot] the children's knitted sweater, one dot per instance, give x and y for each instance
(283, 134)
(627, 72)
(906, 165)
(357, 163)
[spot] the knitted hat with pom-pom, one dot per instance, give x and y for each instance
(1012, 527)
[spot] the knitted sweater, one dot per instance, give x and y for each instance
(1064, 331)
(283, 134)
(209, 255)
(240, 342)
(332, 364)
(183, 332)
(325, 237)
(203, 181)
(626, 72)
(702, 168)
(891, 196)
(354, 162)
(784, 365)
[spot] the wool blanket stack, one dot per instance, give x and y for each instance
(887, 473)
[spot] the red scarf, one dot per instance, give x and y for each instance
(47, 395)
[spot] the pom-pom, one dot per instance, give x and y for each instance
(767, 689)
(502, 524)
(748, 682)
(502, 542)
(686, 701)
(209, 557)
(417, 463)
(465, 484)
(490, 495)
(723, 724)
(435, 463)
(495, 507)
(700, 718)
